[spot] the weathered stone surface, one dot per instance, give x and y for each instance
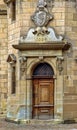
(3, 56)
(19, 105)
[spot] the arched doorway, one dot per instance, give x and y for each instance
(43, 92)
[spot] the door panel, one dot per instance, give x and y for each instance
(35, 92)
(43, 99)
(43, 95)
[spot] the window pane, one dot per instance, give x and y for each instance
(13, 81)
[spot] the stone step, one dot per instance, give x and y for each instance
(52, 121)
(35, 121)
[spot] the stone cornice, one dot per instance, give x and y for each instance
(43, 46)
(8, 1)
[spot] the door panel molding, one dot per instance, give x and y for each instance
(43, 98)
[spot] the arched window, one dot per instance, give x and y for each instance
(43, 69)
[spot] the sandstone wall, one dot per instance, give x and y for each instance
(70, 80)
(65, 23)
(3, 58)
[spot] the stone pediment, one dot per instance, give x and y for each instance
(41, 33)
(50, 37)
(11, 58)
(41, 37)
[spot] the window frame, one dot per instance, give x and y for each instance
(13, 79)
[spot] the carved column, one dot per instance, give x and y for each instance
(60, 64)
(23, 66)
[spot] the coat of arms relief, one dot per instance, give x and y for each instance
(41, 17)
(41, 33)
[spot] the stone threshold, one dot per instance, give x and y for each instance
(34, 121)
(40, 122)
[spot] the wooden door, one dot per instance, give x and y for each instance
(43, 99)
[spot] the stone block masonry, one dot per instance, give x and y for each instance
(64, 23)
(3, 57)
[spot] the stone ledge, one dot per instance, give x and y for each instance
(33, 121)
(43, 46)
(70, 121)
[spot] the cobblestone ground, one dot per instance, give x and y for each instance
(12, 126)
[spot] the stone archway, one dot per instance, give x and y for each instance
(43, 92)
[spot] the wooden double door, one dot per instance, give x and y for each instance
(43, 99)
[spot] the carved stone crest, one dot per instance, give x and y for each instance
(42, 3)
(41, 17)
(41, 33)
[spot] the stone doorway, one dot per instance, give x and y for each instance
(43, 92)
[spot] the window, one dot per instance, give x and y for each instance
(12, 62)
(13, 89)
(13, 10)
